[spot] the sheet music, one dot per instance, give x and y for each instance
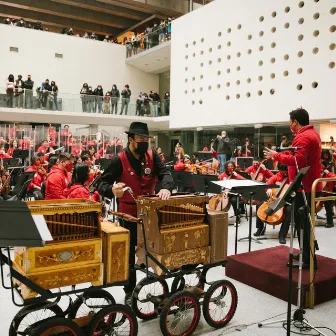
(42, 227)
(229, 184)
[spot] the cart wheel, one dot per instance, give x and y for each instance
(193, 279)
(142, 307)
(180, 315)
(220, 303)
(30, 315)
(57, 327)
(90, 303)
(114, 320)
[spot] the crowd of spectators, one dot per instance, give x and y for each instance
(22, 23)
(20, 93)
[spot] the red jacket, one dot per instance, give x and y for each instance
(42, 149)
(330, 185)
(57, 182)
(266, 174)
(310, 155)
(278, 177)
(37, 179)
(5, 156)
(77, 191)
(225, 176)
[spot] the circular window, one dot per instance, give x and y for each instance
(316, 16)
(218, 73)
(274, 14)
(261, 33)
(286, 57)
(202, 52)
(332, 46)
(301, 4)
(261, 19)
(238, 54)
(193, 102)
(238, 68)
(186, 68)
(202, 40)
(227, 84)
(287, 9)
(249, 37)
(193, 90)
(228, 57)
(227, 97)
(237, 95)
(273, 44)
(260, 78)
(299, 71)
(186, 80)
(273, 30)
(249, 80)
(185, 91)
(286, 73)
(333, 10)
(201, 77)
(261, 48)
(314, 85)
(194, 54)
(300, 37)
(332, 65)
(248, 94)
(193, 78)
(299, 87)
(260, 63)
(210, 62)
(300, 53)
(210, 50)
(201, 101)
(272, 91)
(219, 60)
(219, 34)
(259, 93)
(332, 29)
(218, 86)
(186, 57)
(229, 44)
(287, 25)
(272, 75)
(229, 30)
(238, 82)
(201, 89)
(201, 65)
(301, 20)
(194, 43)
(219, 47)
(249, 51)
(316, 33)
(228, 70)
(239, 26)
(187, 45)
(272, 60)
(315, 50)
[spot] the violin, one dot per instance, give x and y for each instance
(258, 176)
(42, 171)
(5, 180)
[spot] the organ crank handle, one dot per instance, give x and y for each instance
(123, 216)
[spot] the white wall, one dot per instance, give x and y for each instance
(83, 60)
(218, 23)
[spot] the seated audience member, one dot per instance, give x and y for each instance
(3, 154)
(78, 187)
(38, 179)
(58, 178)
(263, 172)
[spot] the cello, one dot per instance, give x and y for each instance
(279, 216)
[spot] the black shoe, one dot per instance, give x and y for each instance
(259, 232)
(282, 240)
(329, 225)
(128, 299)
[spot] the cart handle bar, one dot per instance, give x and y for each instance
(124, 216)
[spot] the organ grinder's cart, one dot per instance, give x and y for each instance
(83, 250)
(180, 239)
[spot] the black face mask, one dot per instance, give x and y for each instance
(142, 148)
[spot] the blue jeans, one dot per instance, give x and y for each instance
(222, 160)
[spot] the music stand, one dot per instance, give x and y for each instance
(204, 156)
(203, 184)
(246, 175)
(85, 153)
(102, 162)
(244, 162)
(182, 179)
(21, 154)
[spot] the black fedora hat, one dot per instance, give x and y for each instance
(139, 128)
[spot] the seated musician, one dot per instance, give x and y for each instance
(328, 189)
(259, 167)
(58, 177)
(183, 164)
(78, 187)
(13, 145)
(231, 174)
(135, 167)
(261, 227)
(38, 179)
(44, 148)
(92, 155)
(3, 154)
(76, 148)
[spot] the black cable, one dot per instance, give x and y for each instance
(305, 328)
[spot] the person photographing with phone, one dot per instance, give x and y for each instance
(136, 167)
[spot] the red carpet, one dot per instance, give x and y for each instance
(266, 270)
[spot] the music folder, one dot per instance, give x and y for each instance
(20, 228)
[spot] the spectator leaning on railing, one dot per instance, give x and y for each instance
(166, 100)
(54, 94)
(46, 89)
(18, 94)
(115, 97)
(125, 100)
(28, 85)
(99, 94)
(10, 86)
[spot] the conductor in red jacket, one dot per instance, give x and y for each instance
(138, 168)
(309, 154)
(58, 178)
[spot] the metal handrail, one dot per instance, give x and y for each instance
(314, 199)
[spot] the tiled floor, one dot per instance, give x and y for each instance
(253, 306)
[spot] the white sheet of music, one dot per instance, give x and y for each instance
(229, 184)
(42, 227)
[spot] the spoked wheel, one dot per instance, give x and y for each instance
(141, 305)
(30, 315)
(180, 315)
(90, 303)
(220, 303)
(116, 320)
(56, 327)
(193, 279)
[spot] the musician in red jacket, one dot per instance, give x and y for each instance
(3, 154)
(78, 187)
(308, 154)
(39, 177)
(44, 148)
(135, 167)
(58, 178)
(279, 178)
(329, 188)
(259, 167)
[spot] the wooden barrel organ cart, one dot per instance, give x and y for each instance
(83, 250)
(179, 239)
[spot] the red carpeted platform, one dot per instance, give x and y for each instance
(267, 271)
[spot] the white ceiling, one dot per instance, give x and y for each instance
(155, 60)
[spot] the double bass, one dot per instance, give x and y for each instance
(279, 216)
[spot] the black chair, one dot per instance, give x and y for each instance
(21, 181)
(22, 194)
(43, 189)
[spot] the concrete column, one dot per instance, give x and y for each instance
(94, 129)
(195, 147)
(191, 5)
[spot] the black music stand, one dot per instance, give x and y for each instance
(182, 180)
(102, 162)
(21, 154)
(204, 156)
(203, 184)
(246, 175)
(244, 162)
